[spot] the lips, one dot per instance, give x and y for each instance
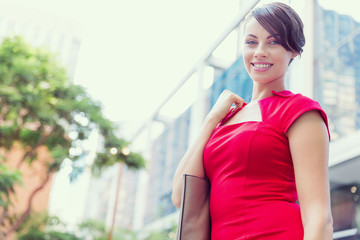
(261, 66)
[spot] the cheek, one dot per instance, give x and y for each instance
(247, 60)
(286, 62)
(247, 56)
(286, 58)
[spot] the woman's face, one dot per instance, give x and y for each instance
(266, 60)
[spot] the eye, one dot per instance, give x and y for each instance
(250, 42)
(274, 42)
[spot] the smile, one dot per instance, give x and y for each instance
(261, 65)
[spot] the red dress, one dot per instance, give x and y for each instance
(249, 165)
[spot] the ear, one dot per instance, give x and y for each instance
(294, 55)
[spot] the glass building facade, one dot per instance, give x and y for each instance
(337, 89)
(166, 151)
(337, 70)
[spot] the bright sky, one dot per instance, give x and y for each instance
(147, 46)
(134, 52)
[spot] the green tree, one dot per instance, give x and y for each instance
(40, 107)
(41, 226)
(165, 234)
(34, 228)
(94, 228)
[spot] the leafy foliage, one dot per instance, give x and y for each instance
(53, 235)
(42, 226)
(94, 228)
(40, 107)
(8, 179)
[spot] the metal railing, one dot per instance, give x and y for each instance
(346, 233)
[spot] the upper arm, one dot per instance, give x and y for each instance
(309, 146)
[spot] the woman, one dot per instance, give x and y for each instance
(264, 156)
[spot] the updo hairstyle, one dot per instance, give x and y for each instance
(281, 21)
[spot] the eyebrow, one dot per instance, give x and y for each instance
(251, 35)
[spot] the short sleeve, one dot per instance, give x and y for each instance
(299, 105)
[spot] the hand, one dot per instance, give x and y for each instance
(223, 104)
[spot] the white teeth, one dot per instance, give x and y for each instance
(262, 65)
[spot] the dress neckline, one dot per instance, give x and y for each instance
(284, 93)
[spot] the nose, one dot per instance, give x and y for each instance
(260, 51)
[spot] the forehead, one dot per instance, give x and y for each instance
(253, 27)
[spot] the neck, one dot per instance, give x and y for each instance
(261, 91)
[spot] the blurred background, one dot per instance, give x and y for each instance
(156, 68)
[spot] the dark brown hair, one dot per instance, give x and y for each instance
(281, 21)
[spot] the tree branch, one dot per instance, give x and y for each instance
(32, 151)
(26, 213)
(5, 109)
(2, 218)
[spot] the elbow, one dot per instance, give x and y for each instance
(329, 227)
(321, 228)
(176, 200)
(176, 192)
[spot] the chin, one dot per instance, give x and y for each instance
(261, 79)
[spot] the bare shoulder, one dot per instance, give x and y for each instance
(309, 123)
